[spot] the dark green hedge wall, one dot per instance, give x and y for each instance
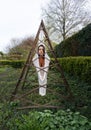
(74, 66)
(13, 63)
(77, 66)
(77, 45)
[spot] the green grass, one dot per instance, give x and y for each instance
(2, 69)
(8, 79)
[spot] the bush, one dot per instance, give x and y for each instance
(74, 66)
(42, 120)
(78, 67)
(12, 63)
(78, 44)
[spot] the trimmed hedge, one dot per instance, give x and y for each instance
(77, 66)
(74, 66)
(78, 44)
(13, 63)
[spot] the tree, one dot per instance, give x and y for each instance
(1, 54)
(20, 47)
(78, 44)
(65, 17)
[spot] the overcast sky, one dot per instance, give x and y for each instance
(20, 18)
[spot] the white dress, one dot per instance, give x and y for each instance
(42, 73)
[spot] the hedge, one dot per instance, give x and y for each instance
(77, 66)
(74, 66)
(13, 63)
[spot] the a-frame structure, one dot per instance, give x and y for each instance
(27, 85)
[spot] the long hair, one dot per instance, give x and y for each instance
(43, 50)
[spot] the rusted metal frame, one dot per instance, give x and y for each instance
(28, 107)
(29, 92)
(42, 69)
(39, 70)
(25, 69)
(41, 41)
(38, 104)
(50, 51)
(52, 101)
(32, 73)
(59, 66)
(20, 78)
(25, 77)
(56, 83)
(38, 88)
(20, 97)
(53, 64)
(23, 74)
(29, 84)
(29, 101)
(33, 49)
(43, 28)
(47, 46)
(26, 80)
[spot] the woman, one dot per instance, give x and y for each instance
(41, 61)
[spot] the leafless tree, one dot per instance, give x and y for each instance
(13, 47)
(20, 47)
(65, 17)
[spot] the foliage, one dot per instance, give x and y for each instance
(1, 54)
(77, 66)
(82, 95)
(77, 45)
(20, 48)
(11, 119)
(8, 79)
(13, 63)
(74, 66)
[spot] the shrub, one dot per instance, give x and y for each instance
(77, 66)
(42, 120)
(12, 63)
(78, 44)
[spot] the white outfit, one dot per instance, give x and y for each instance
(42, 73)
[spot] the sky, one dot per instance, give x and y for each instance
(20, 18)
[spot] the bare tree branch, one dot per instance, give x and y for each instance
(65, 17)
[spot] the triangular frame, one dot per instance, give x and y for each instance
(29, 61)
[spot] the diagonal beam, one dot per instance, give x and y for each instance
(58, 64)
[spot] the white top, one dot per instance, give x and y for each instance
(42, 72)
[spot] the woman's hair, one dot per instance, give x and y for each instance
(43, 48)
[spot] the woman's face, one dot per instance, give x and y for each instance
(41, 50)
